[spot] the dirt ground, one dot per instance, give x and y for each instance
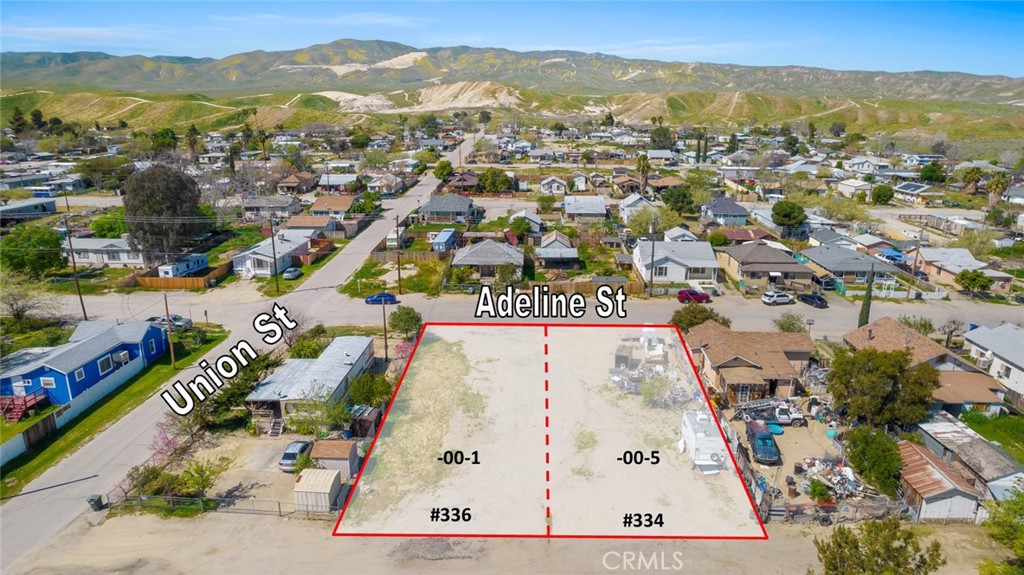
(253, 472)
(219, 544)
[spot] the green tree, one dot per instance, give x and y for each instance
(319, 411)
(484, 117)
(430, 125)
(819, 491)
(36, 117)
(918, 323)
(370, 389)
(360, 140)
(110, 224)
(164, 139)
(790, 144)
(679, 199)
(880, 387)
(201, 474)
(876, 457)
(694, 314)
(374, 160)
(973, 281)
(971, 177)
(661, 219)
(997, 183)
(734, 144)
(865, 306)
(933, 173)
(443, 170)
(790, 322)
(405, 320)
(882, 194)
(161, 205)
(1005, 524)
(978, 242)
(106, 173)
(609, 120)
(520, 227)
(837, 129)
(192, 139)
(877, 548)
(788, 215)
(643, 169)
(545, 204)
(493, 181)
(662, 138)
(32, 250)
(17, 122)
(718, 239)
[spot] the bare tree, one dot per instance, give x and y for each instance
(953, 326)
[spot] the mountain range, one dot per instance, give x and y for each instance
(372, 66)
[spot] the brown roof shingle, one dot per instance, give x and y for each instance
(888, 334)
(765, 350)
(333, 203)
(966, 387)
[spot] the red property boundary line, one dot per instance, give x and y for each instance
(549, 535)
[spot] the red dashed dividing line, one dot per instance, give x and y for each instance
(547, 440)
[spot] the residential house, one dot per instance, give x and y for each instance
(541, 155)
(675, 262)
(662, 157)
(921, 160)
(632, 204)
(113, 252)
(331, 206)
(678, 234)
(999, 351)
(626, 185)
(935, 491)
(485, 257)
(556, 251)
(536, 224)
(658, 185)
(212, 158)
(985, 466)
(743, 235)
(943, 264)
(813, 223)
(267, 207)
(888, 334)
(448, 208)
(915, 193)
(826, 237)
(866, 164)
(463, 182)
(97, 353)
(385, 184)
(553, 185)
(725, 211)
(1014, 195)
(748, 365)
(585, 209)
(850, 267)
(963, 391)
(297, 382)
(186, 265)
(288, 245)
(297, 183)
(871, 244)
(756, 264)
(309, 222)
(337, 183)
(24, 210)
(850, 188)
(580, 182)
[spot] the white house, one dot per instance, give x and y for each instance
(536, 224)
(579, 180)
(914, 193)
(866, 164)
(553, 185)
(1000, 352)
(288, 244)
(632, 204)
(850, 188)
(679, 234)
(675, 262)
(184, 266)
(933, 489)
(100, 251)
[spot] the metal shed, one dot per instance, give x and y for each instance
(317, 490)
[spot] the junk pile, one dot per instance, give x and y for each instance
(840, 479)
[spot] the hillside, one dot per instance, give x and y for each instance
(378, 66)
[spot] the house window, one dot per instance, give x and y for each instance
(80, 374)
(754, 275)
(113, 256)
(698, 271)
(152, 346)
(48, 382)
(789, 276)
(105, 364)
(1005, 372)
(860, 277)
(24, 383)
(81, 255)
(660, 271)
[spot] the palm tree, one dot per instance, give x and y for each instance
(643, 169)
(997, 184)
(970, 177)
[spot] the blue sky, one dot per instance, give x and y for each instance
(981, 38)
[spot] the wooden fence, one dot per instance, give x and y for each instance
(317, 251)
(392, 256)
(150, 279)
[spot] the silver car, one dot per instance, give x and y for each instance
(176, 320)
(291, 273)
(291, 455)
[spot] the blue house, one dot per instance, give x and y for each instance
(96, 352)
(444, 241)
(726, 212)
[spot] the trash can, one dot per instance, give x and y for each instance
(96, 502)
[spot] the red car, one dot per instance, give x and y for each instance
(688, 295)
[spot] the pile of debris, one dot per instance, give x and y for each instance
(840, 479)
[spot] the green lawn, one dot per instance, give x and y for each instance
(244, 237)
(495, 225)
(426, 280)
(34, 332)
(11, 429)
(363, 330)
(436, 227)
(268, 288)
(366, 281)
(92, 281)
(1007, 430)
(418, 245)
(26, 467)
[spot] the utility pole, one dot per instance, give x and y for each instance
(273, 249)
(398, 242)
(74, 266)
(917, 258)
(384, 319)
(650, 290)
(170, 331)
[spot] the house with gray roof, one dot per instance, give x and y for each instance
(287, 246)
(264, 207)
(327, 378)
(95, 352)
(556, 251)
(827, 237)
(943, 264)
(1000, 352)
(759, 264)
(679, 234)
(113, 252)
(585, 209)
(915, 193)
(849, 266)
(675, 262)
(536, 224)
(448, 208)
(726, 212)
(632, 204)
(487, 256)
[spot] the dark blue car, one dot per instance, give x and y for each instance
(382, 298)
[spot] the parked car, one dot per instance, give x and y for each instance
(292, 453)
(813, 300)
(776, 298)
(762, 444)
(825, 282)
(291, 273)
(692, 295)
(951, 204)
(921, 275)
(904, 267)
(382, 298)
(177, 321)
